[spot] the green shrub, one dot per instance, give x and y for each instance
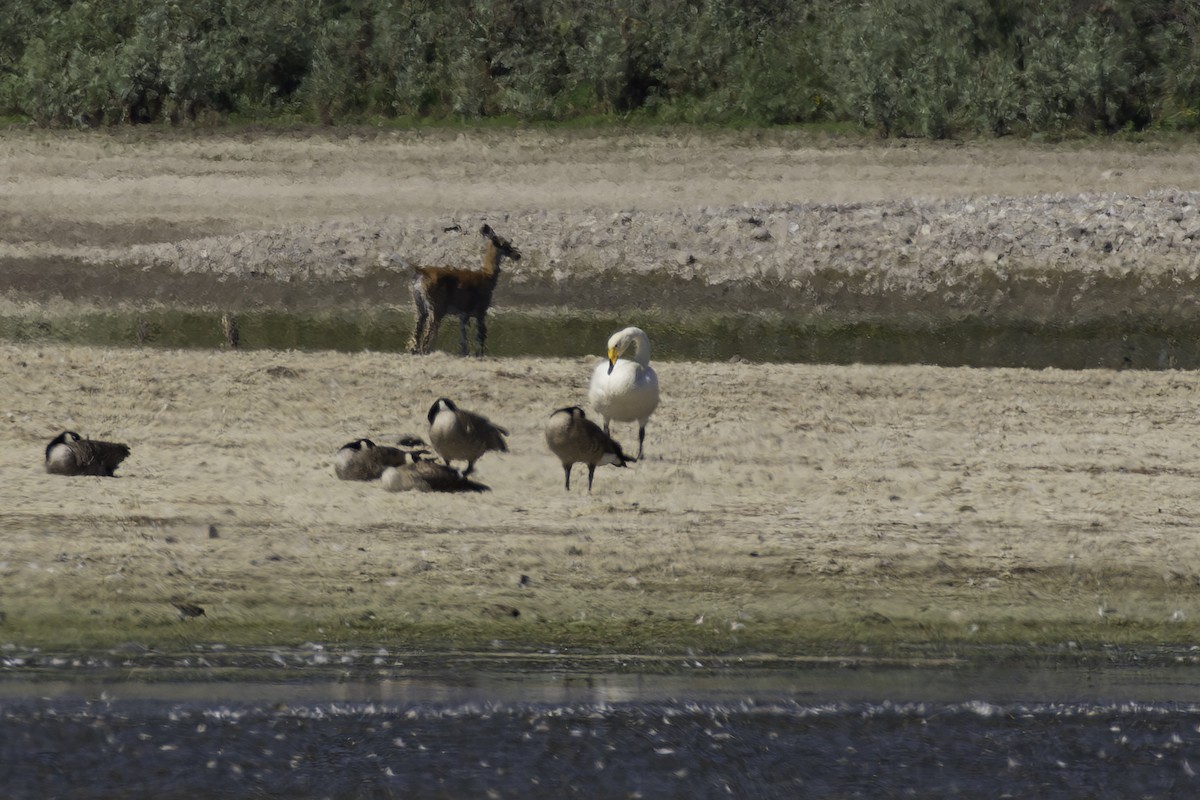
(901, 67)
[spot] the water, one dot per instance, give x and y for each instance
(767, 337)
(796, 732)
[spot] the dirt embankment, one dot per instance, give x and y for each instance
(882, 232)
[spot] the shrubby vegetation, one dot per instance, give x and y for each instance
(900, 67)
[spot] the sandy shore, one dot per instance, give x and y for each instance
(782, 509)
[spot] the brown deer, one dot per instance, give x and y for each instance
(438, 291)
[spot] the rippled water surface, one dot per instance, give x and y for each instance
(789, 733)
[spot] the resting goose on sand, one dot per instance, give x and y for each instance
(574, 438)
(364, 460)
(428, 476)
(625, 388)
(459, 435)
(71, 454)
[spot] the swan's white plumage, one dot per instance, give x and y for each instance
(624, 388)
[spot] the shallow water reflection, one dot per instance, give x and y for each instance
(769, 337)
(757, 733)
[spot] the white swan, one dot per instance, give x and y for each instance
(625, 388)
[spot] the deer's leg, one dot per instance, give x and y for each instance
(415, 345)
(481, 331)
(431, 332)
(422, 308)
(463, 321)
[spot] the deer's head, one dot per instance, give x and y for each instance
(503, 246)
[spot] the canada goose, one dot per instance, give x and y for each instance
(363, 460)
(459, 435)
(626, 387)
(71, 454)
(428, 476)
(574, 438)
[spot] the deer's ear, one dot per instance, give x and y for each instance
(486, 230)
